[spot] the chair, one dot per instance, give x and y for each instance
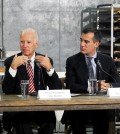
(62, 77)
(59, 113)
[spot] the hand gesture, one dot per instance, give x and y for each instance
(44, 61)
(18, 60)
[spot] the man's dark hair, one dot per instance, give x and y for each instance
(97, 34)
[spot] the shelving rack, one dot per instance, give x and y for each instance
(88, 17)
(108, 22)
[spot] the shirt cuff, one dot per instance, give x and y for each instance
(50, 73)
(12, 72)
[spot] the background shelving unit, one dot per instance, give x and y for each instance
(108, 22)
(88, 17)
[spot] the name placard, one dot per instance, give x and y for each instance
(54, 94)
(113, 92)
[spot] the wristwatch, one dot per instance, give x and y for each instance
(50, 70)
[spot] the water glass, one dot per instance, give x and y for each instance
(24, 88)
(93, 86)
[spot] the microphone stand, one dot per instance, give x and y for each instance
(39, 71)
(98, 78)
(40, 74)
(38, 78)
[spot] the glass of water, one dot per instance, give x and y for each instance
(24, 84)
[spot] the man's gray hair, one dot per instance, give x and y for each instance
(30, 30)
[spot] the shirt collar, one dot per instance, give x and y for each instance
(33, 58)
(94, 56)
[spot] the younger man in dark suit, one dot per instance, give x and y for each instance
(16, 70)
(77, 75)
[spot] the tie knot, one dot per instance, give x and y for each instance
(28, 61)
(90, 58)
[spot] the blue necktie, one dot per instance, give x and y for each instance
(90, 68)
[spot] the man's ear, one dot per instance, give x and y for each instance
(97, 44)
(36, 45)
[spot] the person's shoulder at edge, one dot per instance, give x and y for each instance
(104, 55)
(104, 58)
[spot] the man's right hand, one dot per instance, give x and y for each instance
(104, 85)
(18, 60)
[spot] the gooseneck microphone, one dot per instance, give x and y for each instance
(98, 63)
(100, 67)
(38, 64)
(40, 74)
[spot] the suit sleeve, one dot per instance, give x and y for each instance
(53, 81)
(110, 74)
(8, 85)
(115, 75)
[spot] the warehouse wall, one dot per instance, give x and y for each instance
(58, 23)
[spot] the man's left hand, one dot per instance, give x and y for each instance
(44, 61)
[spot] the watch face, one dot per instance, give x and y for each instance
(50, 70)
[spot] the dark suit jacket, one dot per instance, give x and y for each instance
(12, 85)
(77, 72)
(77, 82)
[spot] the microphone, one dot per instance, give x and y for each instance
(98, 63)
(100, 67)
(38, 64)
(40, 72)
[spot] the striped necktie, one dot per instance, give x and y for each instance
(90, 68)
(31, 77)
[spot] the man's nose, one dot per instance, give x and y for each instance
(82, 43)
(25, 44)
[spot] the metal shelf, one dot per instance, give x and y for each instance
(106, 18)
(110, 28)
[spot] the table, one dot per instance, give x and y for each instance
(16, 103)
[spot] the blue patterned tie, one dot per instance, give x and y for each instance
(90, 68)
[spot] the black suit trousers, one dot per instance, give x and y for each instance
(79, 119)
(22, 120)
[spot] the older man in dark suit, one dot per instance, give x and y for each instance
(77, 76)
(43, 75)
